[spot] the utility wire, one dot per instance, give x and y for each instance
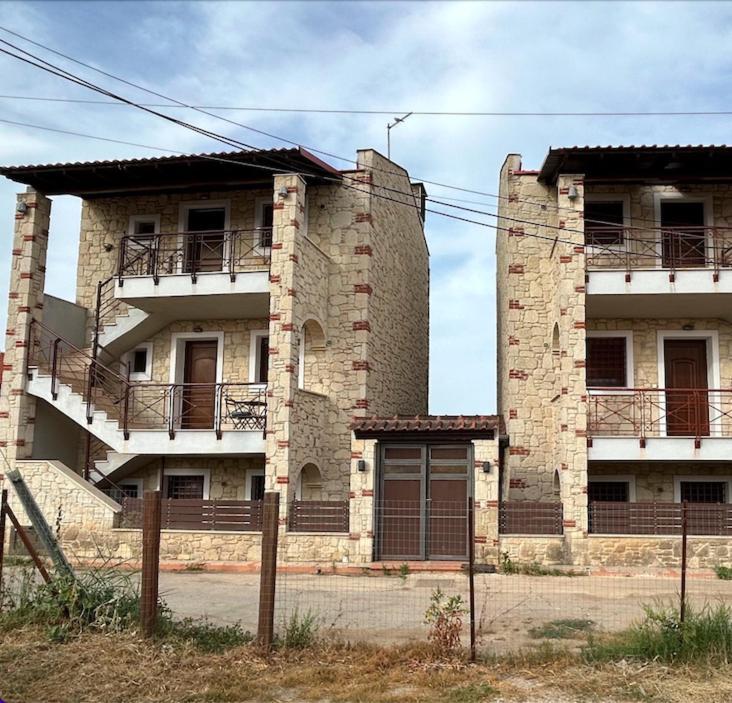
(179, 103)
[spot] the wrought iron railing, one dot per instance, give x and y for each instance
(659, 518)
(228, 251)
(665, 248)
(530, 518)
(659, 412)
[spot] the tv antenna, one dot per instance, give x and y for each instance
(389, 127)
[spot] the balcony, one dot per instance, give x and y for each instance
(639, 271)
(209, 271)
(659, 424)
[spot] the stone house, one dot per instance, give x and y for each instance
(236, 317)
(614, 295)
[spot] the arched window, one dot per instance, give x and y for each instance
(556, 487)
(555, 339)
(311, 366)
(309, 483)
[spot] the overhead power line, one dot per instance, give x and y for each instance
(422, 113)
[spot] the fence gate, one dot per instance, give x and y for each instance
(422, 504)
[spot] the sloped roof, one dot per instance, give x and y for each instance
(463, 425)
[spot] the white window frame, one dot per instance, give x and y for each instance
(248, 474)
(617, 478)
(178, 354)
(127, 358)
(259, 204)
(704, 198)
(134, 219)
(701, 479)
(713, 370)
(183, 210)
(610, 198)
(629, 362)
(254, 356)
(206, 473)
(137, 482)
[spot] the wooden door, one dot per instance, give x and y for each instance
(447, 496)
(684, 236)
(205, 252)
(687, 402)
(199, 394)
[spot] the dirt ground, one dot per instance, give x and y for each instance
(390, 609)
(118, 668)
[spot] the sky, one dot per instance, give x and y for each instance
(394, 56)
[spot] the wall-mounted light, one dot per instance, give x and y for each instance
(572, 193)
(361, 465)
(282, 192)
(108, 247)
(486, 466)
(21, 208)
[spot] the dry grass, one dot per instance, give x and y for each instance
(122, 667)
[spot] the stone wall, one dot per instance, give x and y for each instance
(524, 550)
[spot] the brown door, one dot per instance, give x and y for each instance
(448, 512)
(687, 404)
(199, 394)
(684, 237)
(205, 252)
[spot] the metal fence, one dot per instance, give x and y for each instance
(527, 518)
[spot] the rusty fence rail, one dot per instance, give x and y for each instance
(318, 516)
(660, 518)
(528, 518)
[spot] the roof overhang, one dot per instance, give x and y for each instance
(659, 164)
(428, 428)
(213, 171)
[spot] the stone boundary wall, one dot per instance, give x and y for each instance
(547, 550)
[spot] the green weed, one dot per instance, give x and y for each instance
(299, 631)
(723, 572)
(562, 629)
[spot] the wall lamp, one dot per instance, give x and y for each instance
(486, 467)
(21, 208)
(108, 247)
(572, 193)
(282, 192)
(361, 465)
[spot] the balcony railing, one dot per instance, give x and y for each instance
(146, 406)
(528, 518)
(197, 514)
(668, 248)
(660, 518)
(659, 412)
(226, 251)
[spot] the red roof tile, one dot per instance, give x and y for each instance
(428, 423)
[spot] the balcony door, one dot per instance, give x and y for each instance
(205, 252)
(198, 401)
(687, 400)
(684, 235)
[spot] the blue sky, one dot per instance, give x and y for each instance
(404, 56)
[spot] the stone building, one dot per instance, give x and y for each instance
(614, 294)
(238, 317)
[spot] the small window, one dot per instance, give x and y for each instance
(144, 227)
(140, 363)
(607, 362)
(263, 360)
(181, 487)
(265, 222)
(604, 223)
(608, 492)
(704, 491)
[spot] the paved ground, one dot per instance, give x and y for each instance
(391, 609)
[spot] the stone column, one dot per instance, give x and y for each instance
(485, 494)
(25, 302)
(284, 333)
(572, 411)
(361, 500)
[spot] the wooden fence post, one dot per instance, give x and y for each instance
(150, 562)
(3, 504)
(268, 574)
(684, 534)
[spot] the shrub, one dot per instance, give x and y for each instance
(704, 636)
(510, 567)
(723, 572)
(299, 631)
(204, 635)
(445, 618)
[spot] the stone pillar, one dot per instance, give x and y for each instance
(361, 500)
(25, 301)
(284, 333)
(485, 494)
(571, 419)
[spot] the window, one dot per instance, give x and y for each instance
(607, 362)
(703, 491)
(144, 225)
(604, 221)
(608, 491)
(139, 361)
(254, 485)
(131, 488)
(264, 221)
(182, 486)
(259, 356)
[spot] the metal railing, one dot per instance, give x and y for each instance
(529, 518)
(318, 516)
(173, 406)
(659, 518)
(667, 248)
(197, 514)
(223, 251)
(659, 412)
